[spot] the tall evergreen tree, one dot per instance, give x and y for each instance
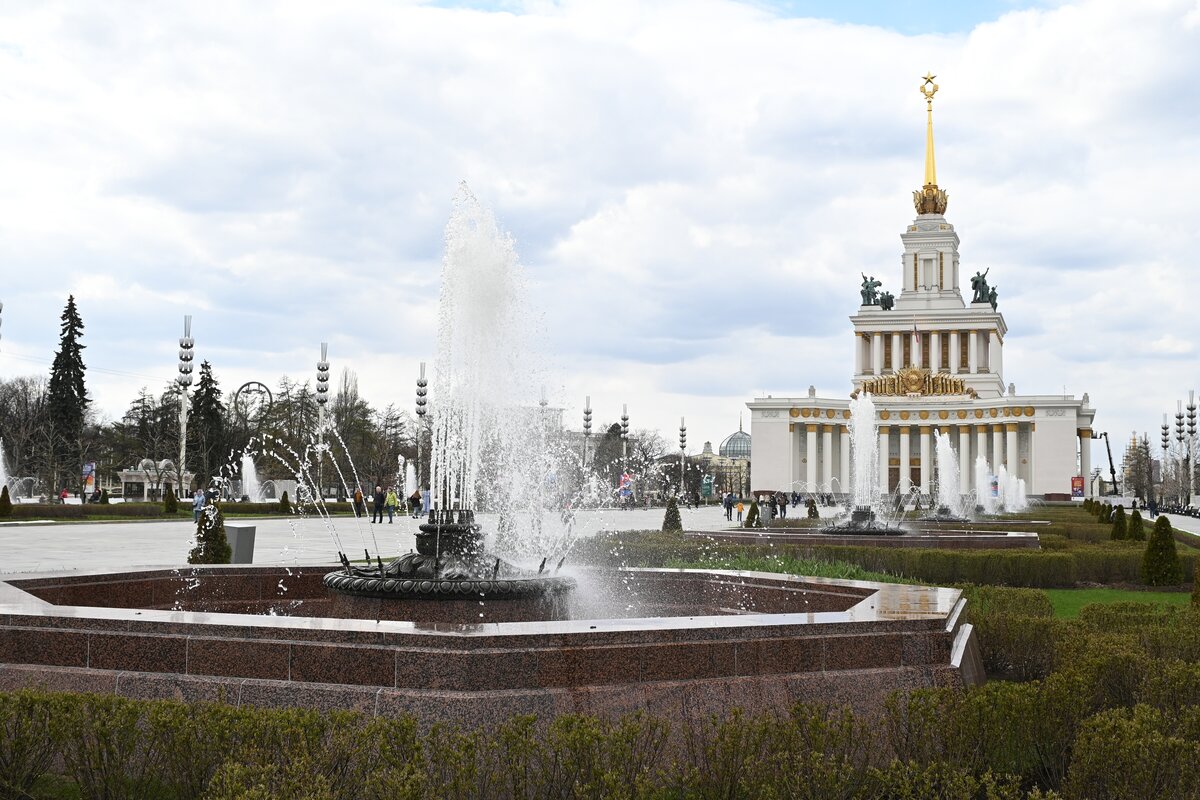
(206, 426)
(67, 399)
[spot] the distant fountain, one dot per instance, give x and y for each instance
(983, 487)
(251, 487)
(864, 471)
(948, 502)
(4, 469)
(1010, 491)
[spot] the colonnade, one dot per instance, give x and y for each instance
(998, 442)
(818, 472)
(873, 356)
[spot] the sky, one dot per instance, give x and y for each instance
(693, 188)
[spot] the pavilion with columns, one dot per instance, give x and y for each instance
(933, 364)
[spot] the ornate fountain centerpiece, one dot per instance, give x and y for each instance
(481, 353)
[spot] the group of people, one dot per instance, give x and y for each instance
(388, 501)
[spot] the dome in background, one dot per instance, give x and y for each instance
(736, 445)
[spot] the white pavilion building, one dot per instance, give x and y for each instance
(932, 362)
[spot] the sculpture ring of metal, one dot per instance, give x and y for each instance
(251, 402)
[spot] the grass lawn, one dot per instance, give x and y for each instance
(1067, 602)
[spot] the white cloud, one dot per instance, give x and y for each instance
(694, 188)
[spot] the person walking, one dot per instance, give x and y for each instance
(783, 504)
(390, 502)
(378, 499)
(197, 505)
(740, 508)
(359, 511)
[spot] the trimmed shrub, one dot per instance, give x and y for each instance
(1135, 531)
(170, 503)
(6, 505)
(1119, 528)
(212, 546)
(752, 516)
(671, 520)
(31, 735)
(1132, 753)
(1160, 564)
(813, 513)
(104, 497)
(285, 504)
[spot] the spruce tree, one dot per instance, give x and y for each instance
(285, 505)
(672, 521)
(170, 504)
(5, 503)
(212, 546)
(1135, 531)
(66, 395)
(1119, 528)
(1160, 564)
(206, 425)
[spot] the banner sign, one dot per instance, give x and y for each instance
(1077, 486)
(89, 477)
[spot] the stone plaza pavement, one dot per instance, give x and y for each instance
(44, 547)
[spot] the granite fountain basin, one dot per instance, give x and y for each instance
(682, 644)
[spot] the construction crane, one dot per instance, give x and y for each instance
(1111, 467)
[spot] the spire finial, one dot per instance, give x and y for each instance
(929, 199)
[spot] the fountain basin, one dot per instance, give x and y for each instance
(694, 643)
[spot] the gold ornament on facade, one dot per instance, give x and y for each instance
(903, 415)
(829, 413)
(993, 413)
(962, 414)
(885, 414)
(795, 412)
(915, 382)
(1029, 411)
(846, 415)
(923, 414)
(804, 412)
(943, 414)
(979, 413)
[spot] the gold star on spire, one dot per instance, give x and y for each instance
(930, 199)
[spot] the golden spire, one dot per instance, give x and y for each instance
(929, 89)
(930, 199)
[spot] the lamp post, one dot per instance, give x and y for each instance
(422, 401)
(322, 388)
(1191, 434)
(624, 438)
(1179, 438)
(587, 427)
(186, 344)
(682, 452)
(1166, 446)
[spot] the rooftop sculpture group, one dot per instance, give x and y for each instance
(871, 295)
(983, 292)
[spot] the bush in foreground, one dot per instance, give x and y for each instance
(5, 503)
(1119, 527)
(1160, 564)
(671, 520)
(1135, 531)
(285, 504)
(212, 546)
(170, 503)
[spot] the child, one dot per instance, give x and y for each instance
(740, 508)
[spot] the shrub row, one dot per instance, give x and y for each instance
(155, 510)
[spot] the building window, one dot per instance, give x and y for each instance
(925, 350)
(945, 351)
(964, 343)
(887, 352)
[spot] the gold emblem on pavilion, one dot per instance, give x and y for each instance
(915, 381)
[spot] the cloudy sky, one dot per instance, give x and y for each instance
(693, 187)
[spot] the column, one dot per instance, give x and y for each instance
(997, 447)
(1011, 450)
(916, 349)
(1085, 459)
(858, 354)
(844, 472)
(826, 458)
(926, 459)
(877, 353)
(981, 444)
(973, 352)
(884, 452)
(954, 348)
(810, 458)
(966, 466)
(935, 352)
(994, 362)
(897, 352)
(905, 466)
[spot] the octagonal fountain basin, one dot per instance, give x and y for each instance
(681, 644)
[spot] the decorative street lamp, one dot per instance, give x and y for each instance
(322, 387)
(624, 437)
(1179, 438)
(682, 452)
(587, 427)
(1166, 446)
(186, 345)
(422, 401)
(1191, 433)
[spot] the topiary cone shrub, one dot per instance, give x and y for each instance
(104, 496)
(212, 546)
(1135, 531)
(285, 505)
(170, 504)
(812, 509)
(1160, 564)
(752, 520)
(672, 520)
(5, 503)
(1119, 528)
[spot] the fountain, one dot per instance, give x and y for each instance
(949, 503)
(475, 448)
(4, 469)
(864, 470)
(251, 487)
(986, 501)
